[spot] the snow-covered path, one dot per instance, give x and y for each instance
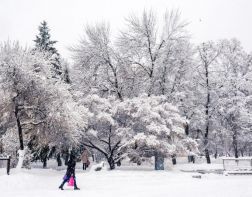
(125, 183)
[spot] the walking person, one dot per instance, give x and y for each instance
(84, 159)
(70, 172)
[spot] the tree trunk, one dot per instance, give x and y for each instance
(44, 162)
(21, 154)
(215, 154)
(59, 160)
(111, 163)
(163, 81)
(116, 84)
(207, 156)
(1, 146)
(174, 161)
(207, 118)
(206, 145)
(187, 129)
(20, 131)
(159, 162)
(20, 136)
(66, 158)
(235, 145)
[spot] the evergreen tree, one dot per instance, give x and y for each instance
(44, 43)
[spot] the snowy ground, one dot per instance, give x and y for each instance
(126, 182)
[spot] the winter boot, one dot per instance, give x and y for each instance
(61, 187)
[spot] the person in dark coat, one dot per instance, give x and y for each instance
(70, 172)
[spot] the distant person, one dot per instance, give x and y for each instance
(84, 159)
(70, 172)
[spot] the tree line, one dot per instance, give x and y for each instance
(148, 91)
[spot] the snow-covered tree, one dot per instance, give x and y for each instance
(138, 128)
(103, 133)
(44, 43)
(96, 56)
(207, 72)
(152, 50)
(35, 103)
(234, 105)
(158, 128)
(221, 97)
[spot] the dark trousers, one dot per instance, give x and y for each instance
(85, 166)
(66, 180)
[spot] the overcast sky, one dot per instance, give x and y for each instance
(209, 19)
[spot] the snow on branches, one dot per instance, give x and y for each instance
(138, 127)
(35, 103)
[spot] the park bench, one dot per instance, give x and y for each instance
(7, 159)
(237, 166)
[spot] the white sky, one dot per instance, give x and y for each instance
(209, 19)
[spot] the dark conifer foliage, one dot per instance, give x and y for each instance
(43, 42)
